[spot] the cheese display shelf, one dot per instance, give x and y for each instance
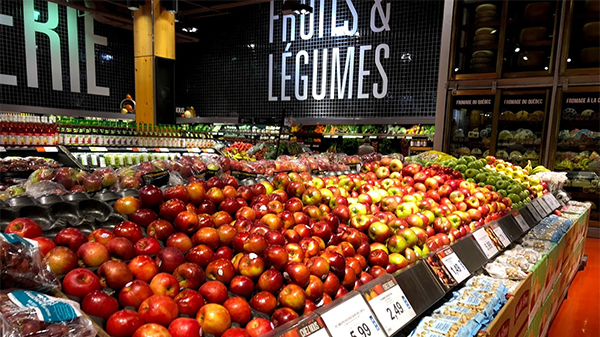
(470, 124)
(521, 127)
(582, 53)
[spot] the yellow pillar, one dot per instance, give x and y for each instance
(153, 35)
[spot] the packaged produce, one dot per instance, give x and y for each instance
(22, 265)
(29, 313)
(532, 255)
(441, 327)
(499, 270)
(515, 261)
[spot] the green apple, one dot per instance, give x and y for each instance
(471, 173)
(397, 244)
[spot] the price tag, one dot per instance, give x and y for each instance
(537, 216)
(313, 327)
(162, 149)
(454, 265)
(500, 235)
(46, 149)
(553, 201)
(102, 162)
(544, 204)
(390, 306)
(485, 243)
(353, 319)
(194, 150)
(98, 149)
(2, 149)
(83, 160)
(520, 221)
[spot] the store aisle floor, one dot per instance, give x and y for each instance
(579, 314)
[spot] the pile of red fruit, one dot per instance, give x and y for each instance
(215, 250)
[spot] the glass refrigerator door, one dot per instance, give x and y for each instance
(476, 37)
(471, 125)
(579, 137)
(529, 36)
(520, 128)
(584, 48)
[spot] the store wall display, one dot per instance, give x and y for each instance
(347, 59)
(58, 57)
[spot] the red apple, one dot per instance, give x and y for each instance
(134, 293)
(127, 205)
(164, 284)
(79, 282)
(170, 208)
(159, 309)
(264, 302)
(143, 217)
(189, 275)
(239, 310)
(185, 327)
(160, 229)
(258, 327)
(168, 259)
(70, 237)
(101, 235)
(124, 323)
(61, 260)
(235, 332)
(214, 319)
(150, 196)
(121, 248)
(93, 254)
(270, 280)
(282, 316)
(242, 285)
(214, 292)
(189, 302)
(292, 296)
(207, 236)
(98, 303)
(24, 227)
(147, 246)
(201, 255)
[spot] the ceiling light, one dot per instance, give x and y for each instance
(525, 58)
(293, 7)
(493, 31)
(455, 69)
(569, 59)
(170, 5)
(545, 68)
(517, 50)
(134, 5)
(189, 29)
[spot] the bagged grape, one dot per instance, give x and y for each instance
(25, 313)
(22, 265)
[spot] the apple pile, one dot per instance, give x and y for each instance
(216, 251)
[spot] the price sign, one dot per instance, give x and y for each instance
(520, 221)
(552, 201)
(46, 149)
(98, 149)
(313, 327)
(390, 306)
(162, 149)
(353, 319)
(501, 235)
(544, 204)
(140, 149)
(535, 211)
(485, 243)
(2, 149)
(454, 265)
(194, 150)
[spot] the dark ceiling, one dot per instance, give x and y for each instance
(116, 13)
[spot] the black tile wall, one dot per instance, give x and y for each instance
(227, 72)
(114, 63)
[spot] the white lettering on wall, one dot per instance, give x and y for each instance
(7, 20)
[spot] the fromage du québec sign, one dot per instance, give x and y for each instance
(325, 73)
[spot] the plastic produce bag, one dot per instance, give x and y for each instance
(22, 265)
(45, 187)
(499, 270)
(28, 313)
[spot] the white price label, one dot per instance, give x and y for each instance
(98, 149)
(544, 204)
(2, 149)
(47, 149)
(141, 149)
(552, 201)
(353, 319)
(83, 160)
(455, 266)
(533, 209)
(102, 162)
(485, 243)
(194, 150)
(501, 235)
(392, 308)
(163, 149)
(520, 221)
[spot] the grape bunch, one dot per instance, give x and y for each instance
(23, 268)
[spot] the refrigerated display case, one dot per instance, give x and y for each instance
(578, 143)
(521, 126)
(470, 126)
(531, 34)
(581, 53)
